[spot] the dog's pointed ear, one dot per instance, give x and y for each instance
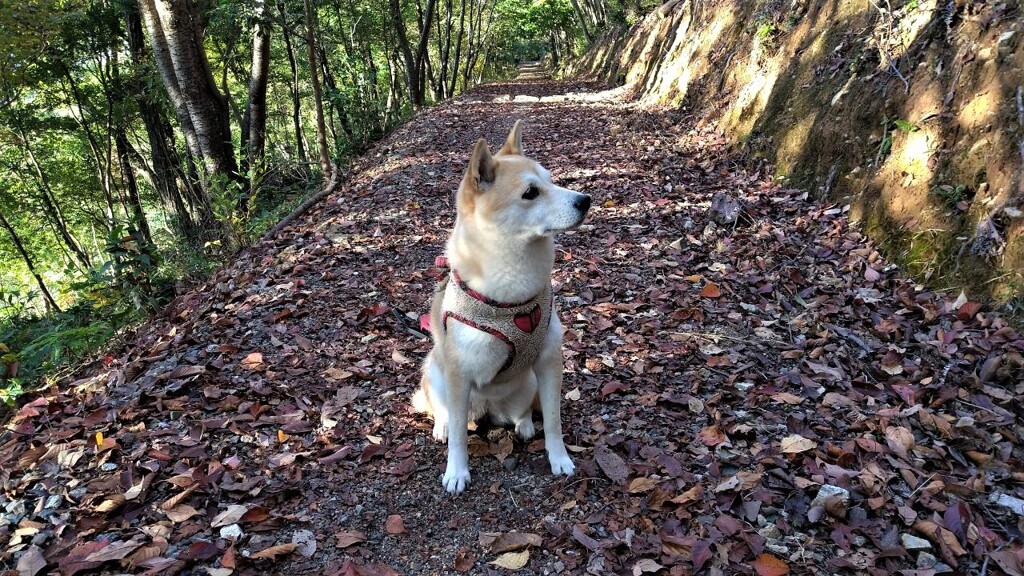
(482, 167)
(514, 142)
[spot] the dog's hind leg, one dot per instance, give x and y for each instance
(521, 407)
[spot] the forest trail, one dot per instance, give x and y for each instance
(743, 397)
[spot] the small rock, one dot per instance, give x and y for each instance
(1007, 501)
(770, 532)
(108, 467)
(941, 568)
(925, 560)
(231, 532)
(306, 542)
(1006, 42)
(859, 541)
(510, 463)
(53, 501)
(778, 549)
(743, 386)
(827, 491)
(911, 542)
(724, 208)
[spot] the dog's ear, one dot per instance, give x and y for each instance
(514, 142)
(482, 167)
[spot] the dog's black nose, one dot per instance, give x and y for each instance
(582, 204)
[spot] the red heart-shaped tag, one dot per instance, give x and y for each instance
(529, 321)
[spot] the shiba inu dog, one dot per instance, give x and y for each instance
(497, 343)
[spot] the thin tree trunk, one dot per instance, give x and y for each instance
(254, 122)
(131, 185)
(583, 20)
(314, 80)
(52, 208)
(296, 112)
(50, 302)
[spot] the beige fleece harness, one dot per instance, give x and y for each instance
(521, 326)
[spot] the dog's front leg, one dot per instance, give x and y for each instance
(456, 474)
(548, 369)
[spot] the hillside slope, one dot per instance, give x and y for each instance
(910, 111)
(742, 395)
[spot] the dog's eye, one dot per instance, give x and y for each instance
(531, 193)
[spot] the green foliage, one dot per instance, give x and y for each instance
(950, 194)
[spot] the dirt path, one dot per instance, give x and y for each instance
(742, 398)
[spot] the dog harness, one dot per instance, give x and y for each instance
(522, 326)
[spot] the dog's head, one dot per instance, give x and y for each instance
(513, 195)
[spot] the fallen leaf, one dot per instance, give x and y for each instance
(768, 565)
(796, 443)
(641, 485)
(645, 565)
(710, 290)
(394, 525)
(464, 560)
(31, 561)
(512, 541)
(349, 538)
(254, 362)
(273, 552)
(232, 515)
(611, 464)
(900, 440)
(512, 560)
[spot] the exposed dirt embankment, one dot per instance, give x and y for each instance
(909, 111)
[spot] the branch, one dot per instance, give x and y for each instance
(330, 188)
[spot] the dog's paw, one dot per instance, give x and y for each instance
(562, 465)
(440, 431)
(525, 428)
(455, 480)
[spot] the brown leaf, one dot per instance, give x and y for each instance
(713, 436)
(513, 541)
(464, 560)
(31, 561)
(611, 464)
(900, 440)
(795, 443)
(254, 362)
(181, 513)
(115, 551)
(273, 552)
(710, 290)
(394, 524)
(692, 495)
(349, 538)
(641, 485)
(768, 565)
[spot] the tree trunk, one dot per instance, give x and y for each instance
(167, 165)
(254, 122)
(300, 145)
(50, 302)
(314, 80)
(176, 34)
(414, 63)
(583, 20)
(131, 185)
